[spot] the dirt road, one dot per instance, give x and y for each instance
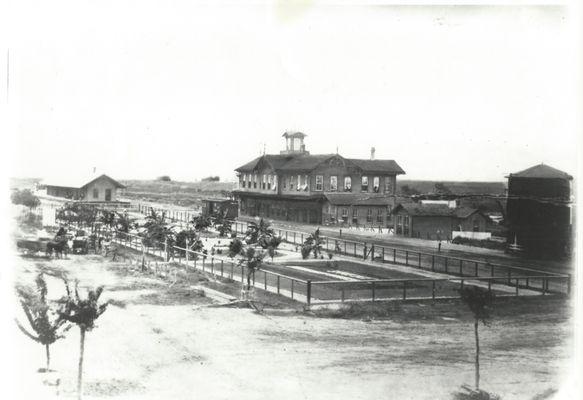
(162, 342)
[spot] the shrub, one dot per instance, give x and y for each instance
(164, 178)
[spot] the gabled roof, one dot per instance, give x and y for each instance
(541, 171)
(78, 182)
(357, 199)
(382, 166)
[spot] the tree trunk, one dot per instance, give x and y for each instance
(80, 373)
(48, 357)
(477, 355)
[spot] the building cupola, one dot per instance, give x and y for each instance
(294, 143)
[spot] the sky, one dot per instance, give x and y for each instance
(140, 89)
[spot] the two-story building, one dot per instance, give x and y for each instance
(321, 188)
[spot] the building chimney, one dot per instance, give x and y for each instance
(372, 150)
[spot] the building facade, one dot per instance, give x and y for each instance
(436, 221)
(538, 211)
(323, 188)
(91, 189)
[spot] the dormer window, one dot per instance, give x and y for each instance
(244, 179)
(364, 185)
(319, 182)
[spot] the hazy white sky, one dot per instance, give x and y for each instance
(145, 88)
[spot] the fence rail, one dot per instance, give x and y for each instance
(313, 292)
(455, 266)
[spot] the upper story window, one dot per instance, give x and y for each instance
(388, 185)
(284, 180)
(379, 215)
(319, 182)
(376, 184)
(268, 182)
(244, 179)
(255, 181)
(291, 182)
(299, 182)
(306, 185)
(347, 184)
(333, 183)
(264, 182)
(354, 215)
(364, 186)
(274, 182)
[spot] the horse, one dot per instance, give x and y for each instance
(59, 246)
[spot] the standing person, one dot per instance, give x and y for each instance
(439, 246)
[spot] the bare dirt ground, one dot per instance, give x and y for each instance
(159, 340)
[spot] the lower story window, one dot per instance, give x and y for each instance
(345, 214)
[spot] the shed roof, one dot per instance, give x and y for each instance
(541, 171)
(357, 199)
(78, 182)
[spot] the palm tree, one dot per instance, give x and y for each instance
(83, 313)
(235, 247)
(259, 233)
(201, 223)
(43, 319)
(158, 231)
(479, 301)
(253, 261)
(312, 244)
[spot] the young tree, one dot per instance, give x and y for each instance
(189, 238)
(253, 261)
(157, 230)
(42, 317)
(83, 313)
(312, 244)
(222, 225)
(407, 190)
(201, 223)
(272, 246)
(235, 247)
(259, 233)
(26, 198)
(123, 222)
(479, 301)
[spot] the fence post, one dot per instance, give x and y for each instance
(373, 291)
(394, 256)
(476, 269)
(242, 273)
(419, 260)
(309, 292)
(404, 290)
(221, 268)
(433, 290)
(509, 274)
(292, 288)
(277, 284)
(461, 267)
(490, 288)
(461, 285)
(265, 280)
(383, 254)
(433, 262)
(212, 265)
(445, 264)
(516, 286)
(406, 257)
